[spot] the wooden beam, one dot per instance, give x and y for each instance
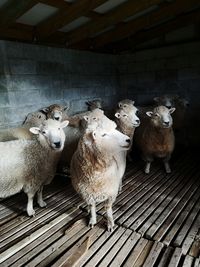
(14, 9)
(111, 18)
(134, 26)
(18, 32)
(63, 17)
(144, 36)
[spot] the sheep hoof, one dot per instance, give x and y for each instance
(168, 171)
(110, 228)
(42, 204)
(31, 213)
(146, 171)
(92, 223)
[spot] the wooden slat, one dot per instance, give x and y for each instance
(153, 255)
(63, 17)
(134, 26)
(111, 18)
(147, 35)
(188, 262)
(13, 10)
(166, 257)
(175, 259)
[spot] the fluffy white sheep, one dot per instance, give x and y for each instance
(28, 165)
(155, 137)
(97, 167)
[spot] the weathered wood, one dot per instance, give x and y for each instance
(188, 261)
(111, 18)
(165, 257)
(13, 10)
(64, 17)
(175, 259)
(127, 29)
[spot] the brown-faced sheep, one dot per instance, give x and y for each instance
(93, 104)
(22, 132)
(95, 167)
(155, 137)
(56, 112)
(28, 165)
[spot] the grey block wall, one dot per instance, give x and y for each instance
(167, 70)
(34, 76)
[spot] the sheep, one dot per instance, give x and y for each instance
(125, 103)
(179, 117)
(28, 165)
(155, 137)
(22, 132)
(127, 120)
(96, 167)
(93, 104)
(56, 112)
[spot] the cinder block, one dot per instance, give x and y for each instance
(51, 94)
(77, 106)
(5, 83)
(71, 93)
(20, 66)
(188, 73)
(4, 99)
(49, 68)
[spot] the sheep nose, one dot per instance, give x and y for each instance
(128, 140)
(56, 118)
(57, 144)
(168, 106)
(138, 121)
(166, 123)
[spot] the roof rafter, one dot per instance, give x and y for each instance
(14, 9)
(134, 26)
(111, 18)
(143, 36)
(66, 15)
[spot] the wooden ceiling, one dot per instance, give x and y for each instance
(111, 26)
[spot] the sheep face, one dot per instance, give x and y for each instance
(94, 104)
(161, 116)
(54, 112)
(125, 103)
(166, 100)
(35, 118)
(110, 140)
(52, 132)
(128, 118)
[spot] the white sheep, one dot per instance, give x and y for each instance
(155, 137)
(28, 165)
(22, 132)
(96, 167)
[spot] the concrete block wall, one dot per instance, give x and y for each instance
(34, 76)
(167, 70)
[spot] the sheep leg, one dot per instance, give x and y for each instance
(93, 218)
(40, 200)
(166, 164)
(109, 213)
(147, 167)
(30, 209)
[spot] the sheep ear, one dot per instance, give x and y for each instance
(172, 110)
(117, 115)
(119, 105)
(45, 110)
(133, 102)
(64, 124)
(149, 113)
(86, 118)
(34, 130)
(94, 135)
(156, 99)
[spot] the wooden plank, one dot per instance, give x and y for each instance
(177, 186)
(188, 262)
(175, 259)
(153, 211)
(64, 17)
(153, 255)
(168, 211)
(111, 18)
(181, 219)
(197, 262)
(144, 254)
(115, 249)
(166, 257)
(147, 35)
(195, 248)
(13, 10)
(48, 238)
(191, 235)
(174, 214)
(12, 250)
(125, 250)
(134, 26)
(136, 252)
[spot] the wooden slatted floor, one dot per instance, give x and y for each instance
(157, 223)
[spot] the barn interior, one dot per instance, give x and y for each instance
(69, 52)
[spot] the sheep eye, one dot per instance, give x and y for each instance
(94, 119)
(104, 135)
(124, 116)
(59, 129)
(43, 132)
